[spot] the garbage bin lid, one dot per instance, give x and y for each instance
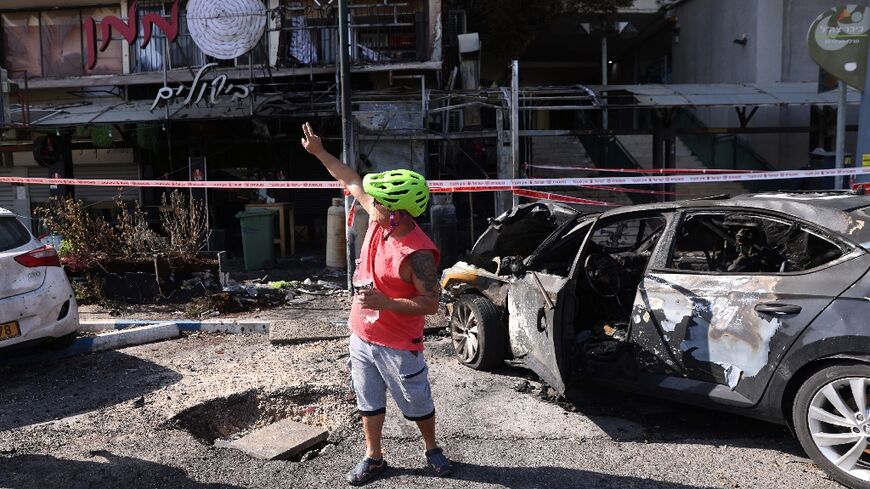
(255, 212)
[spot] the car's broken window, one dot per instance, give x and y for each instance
(616, 257)
(746, 243)
(611, 268)
(12, 234)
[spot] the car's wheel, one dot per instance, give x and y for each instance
(831, 420)
(479, 338)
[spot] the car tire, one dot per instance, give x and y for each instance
(830, 436)
(479, 338)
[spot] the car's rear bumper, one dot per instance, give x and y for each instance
(37, 312)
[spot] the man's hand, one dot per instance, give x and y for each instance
(373, 299)
(311, 142)
(347, 176)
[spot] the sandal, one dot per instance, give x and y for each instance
(438, 462)
(366, 471)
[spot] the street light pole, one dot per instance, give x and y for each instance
(348, 155)
(841, 134)
(515, 124)
(604, 70)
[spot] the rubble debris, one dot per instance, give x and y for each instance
(523, 386)
(220, 302)
(280, 440)
(286, 332)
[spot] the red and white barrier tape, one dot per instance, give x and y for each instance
(457, 185)
(650, 171)
(567, 199)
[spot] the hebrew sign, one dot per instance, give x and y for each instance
(838, 43)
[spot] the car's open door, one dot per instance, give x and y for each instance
(539, 305)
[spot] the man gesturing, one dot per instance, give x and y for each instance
(399, 262)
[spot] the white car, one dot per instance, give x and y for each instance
(37, 303)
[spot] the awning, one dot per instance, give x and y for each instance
(721, 95)
(115, 112)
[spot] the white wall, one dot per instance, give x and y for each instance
(775, 51)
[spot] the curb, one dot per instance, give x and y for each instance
(113, 340)
(187, 326)
(121, 339)
(208, 326)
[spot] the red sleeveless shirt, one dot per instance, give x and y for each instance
(381, 259)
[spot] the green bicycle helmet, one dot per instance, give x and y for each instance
(398, 190)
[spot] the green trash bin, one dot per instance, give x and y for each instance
(258, 237)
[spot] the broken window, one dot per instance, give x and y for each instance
(21, 47)
(50, 43)
(612, 267)
(381, 32)
(746, 243)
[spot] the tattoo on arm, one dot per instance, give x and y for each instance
(424, 269)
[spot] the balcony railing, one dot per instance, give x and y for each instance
(381, 33)
(183, 52)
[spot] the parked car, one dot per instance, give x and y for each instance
(37, 303)
(758, 305)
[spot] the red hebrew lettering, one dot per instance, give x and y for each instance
(170, 28)
(128, 30)
(91, 39)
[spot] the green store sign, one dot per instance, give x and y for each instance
(838, 42)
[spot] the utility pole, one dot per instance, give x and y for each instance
(604, 69)
(515, 124)
(347, 151)
(841, 134)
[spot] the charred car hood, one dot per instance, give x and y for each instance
(519, 232)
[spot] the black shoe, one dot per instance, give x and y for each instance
(438, 462)
(366, 471)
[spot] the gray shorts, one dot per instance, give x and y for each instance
(376, 369)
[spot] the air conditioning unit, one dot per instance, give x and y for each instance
(455, 121)
(456, 25)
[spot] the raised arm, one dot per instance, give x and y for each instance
(345, 175)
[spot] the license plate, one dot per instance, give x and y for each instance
(9, 330)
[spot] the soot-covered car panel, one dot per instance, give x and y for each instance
(701, 299)
(758, 305)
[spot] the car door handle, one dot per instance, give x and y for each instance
(777, 308)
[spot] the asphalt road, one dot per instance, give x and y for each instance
(123, 419)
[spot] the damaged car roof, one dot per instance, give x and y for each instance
(844, 213)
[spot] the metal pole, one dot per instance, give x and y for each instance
(862, 149)
(346, 126)
(841, 134)
(515, 124)
(604, 118)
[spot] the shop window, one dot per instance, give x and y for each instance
(21, 47)
(742, 243)
(50, 43)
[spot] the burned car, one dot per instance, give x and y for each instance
(758, 305)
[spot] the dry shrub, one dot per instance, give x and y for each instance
(185, 223)
(134, 238)
(87, 238)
